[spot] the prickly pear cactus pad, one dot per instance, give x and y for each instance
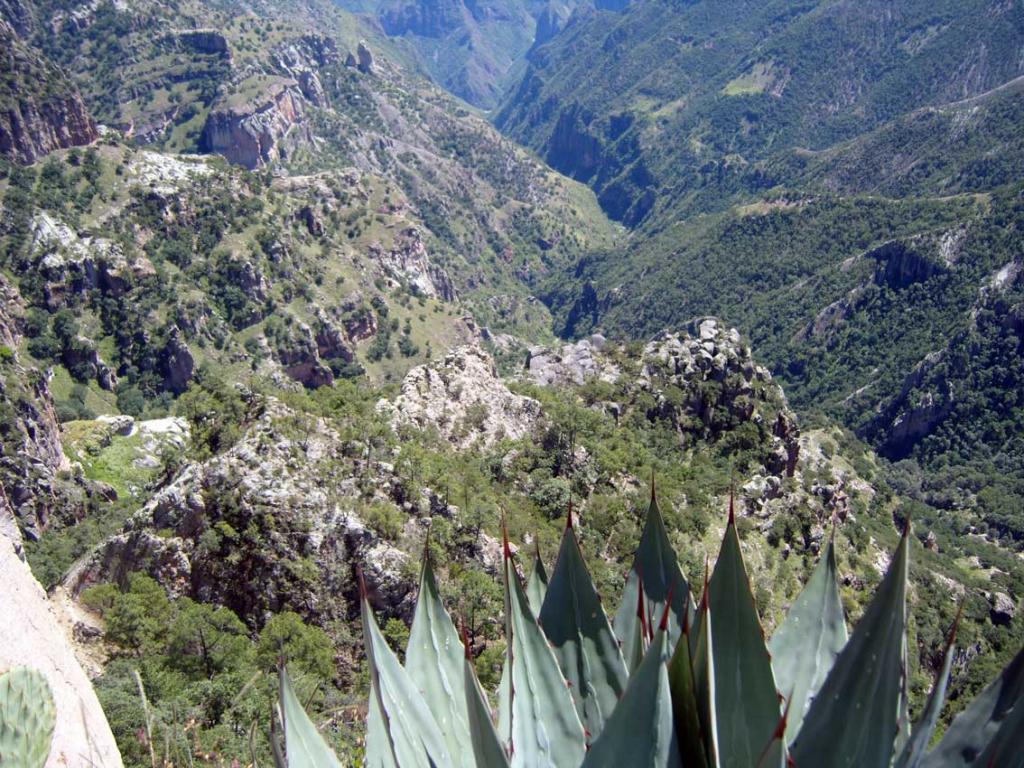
(27, 718)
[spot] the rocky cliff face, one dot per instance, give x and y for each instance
(265, 128)
(34, 473)
(40, 109)
(407, 261)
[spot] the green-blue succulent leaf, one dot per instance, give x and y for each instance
(641, 730)
(746, 699)
(582, 639)
(855, 718)
(806, 644)
(656, 566)
(304, 746)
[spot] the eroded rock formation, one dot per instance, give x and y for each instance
(464, 399)
(40, 108)
(264, 128)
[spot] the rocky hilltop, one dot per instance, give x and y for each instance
(463, 399)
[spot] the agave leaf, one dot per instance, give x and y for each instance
(543, 729)
(487, 751)
(304, 747)
(577, 628)
(378, 745)
(854, 719)
(1005, 749)
(746, 700)
(702, 655)
(974, 729)
(434, 660)
(807, 642)
(413, 738)
(775, 753)
(685, 703)
(537, 585)
(641, 637)
(903, 729)
(914, 750)
(655, 565)
(641, 731)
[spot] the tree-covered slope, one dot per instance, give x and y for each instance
(672, 96)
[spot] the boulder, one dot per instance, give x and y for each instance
(1002, 608)
(364, 58)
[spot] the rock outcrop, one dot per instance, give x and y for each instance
(571, 363)
(72, 265)
(207, 41)
(40, 108)
(302, 60)
(464, 399)
(32, 635)
(177, 362)
(364, 58)
(273, 523)
(407, 261)
(1002, 608)
(707, 381)
(265, 128)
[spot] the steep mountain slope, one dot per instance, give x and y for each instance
(971, 145)
(264, 89)
(840, 181)
(687, 94)
(851, 300)
(419, 226)
(40, 108)
(473, 49)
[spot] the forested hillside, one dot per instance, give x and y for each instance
(858, 215)
(284, 315)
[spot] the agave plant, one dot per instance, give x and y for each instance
(669, 682)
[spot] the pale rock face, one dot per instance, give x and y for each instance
(69, 262)
(166, 174)
(463, 397)
(571, 364)
(31, 635)
(408, 261)
(1002, 608)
